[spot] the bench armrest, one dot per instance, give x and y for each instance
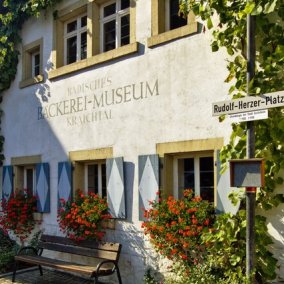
(26, 250)
(104, 262)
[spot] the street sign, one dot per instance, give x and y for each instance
(249, 104)
(248, 116)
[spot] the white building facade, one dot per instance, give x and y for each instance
(115, 97)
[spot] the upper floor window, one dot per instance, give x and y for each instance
(168, 24)
(88, 29)
(35, 63)
(75, 39)
(115, 24)
(32, 68)
(173, 18)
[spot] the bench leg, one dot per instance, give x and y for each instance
(40, 270)
(118, 275)
(15, 271)
(96, 280)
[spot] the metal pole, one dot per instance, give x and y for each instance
(250, 192)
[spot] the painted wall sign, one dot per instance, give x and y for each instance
(249, 104)
(92, 102)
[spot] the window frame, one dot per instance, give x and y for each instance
(168, 16)
(29, 51)
(117, 16)
(159, 32)
(190, 155)
(78, 33)
(34, 64)
(25, 183)
(168, 150)
(94, 54)
(99, 163)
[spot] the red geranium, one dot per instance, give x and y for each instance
(81, 219)
(175, 226)
(17, 214)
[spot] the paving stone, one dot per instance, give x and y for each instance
(49, 277)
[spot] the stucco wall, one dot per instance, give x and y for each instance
(161, 94)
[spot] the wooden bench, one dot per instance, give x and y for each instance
(107, 255)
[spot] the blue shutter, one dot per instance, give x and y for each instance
(7, 182)
(43, 187)
(224, 204)
(64, 181)
(115, 187)
(148, 170)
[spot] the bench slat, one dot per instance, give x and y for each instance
(86, 243)
(102, 254)
(63, 265)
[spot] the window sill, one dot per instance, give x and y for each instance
(94, 60)
(172, 35)
(31, 81)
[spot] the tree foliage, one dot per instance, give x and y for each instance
(13, 13)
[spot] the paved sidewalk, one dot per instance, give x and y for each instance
(49, 277)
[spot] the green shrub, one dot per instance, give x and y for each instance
(8, 250)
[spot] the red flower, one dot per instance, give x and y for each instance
(81, 219)
(18, 214)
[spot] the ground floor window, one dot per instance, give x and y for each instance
(29, 180)
(95, 178)
(195, 171)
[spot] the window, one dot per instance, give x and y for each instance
(29, 180)
(35, 64)
(195, 172)
(115, 25)
(190, 164)
(167, 24)
(31, 174)
(173, 19)
(32, 64)
(75, 39)
(95, 170)
(88, 33)
(95, 178)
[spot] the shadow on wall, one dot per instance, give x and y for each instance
(137, 256)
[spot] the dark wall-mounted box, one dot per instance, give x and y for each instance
(247, 173)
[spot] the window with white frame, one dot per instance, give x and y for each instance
(32, 67)
(95, 178)
(173, 18)
(115, 24)
(194, 171)
(29, 180)
(35, 64)
(75, 39)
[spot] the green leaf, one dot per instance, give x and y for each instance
(209, 23)
(214, 46)
(270, 7)
(249, 7)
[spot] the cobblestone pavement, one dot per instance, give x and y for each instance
(49, 277)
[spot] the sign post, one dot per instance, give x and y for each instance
(250, 191)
